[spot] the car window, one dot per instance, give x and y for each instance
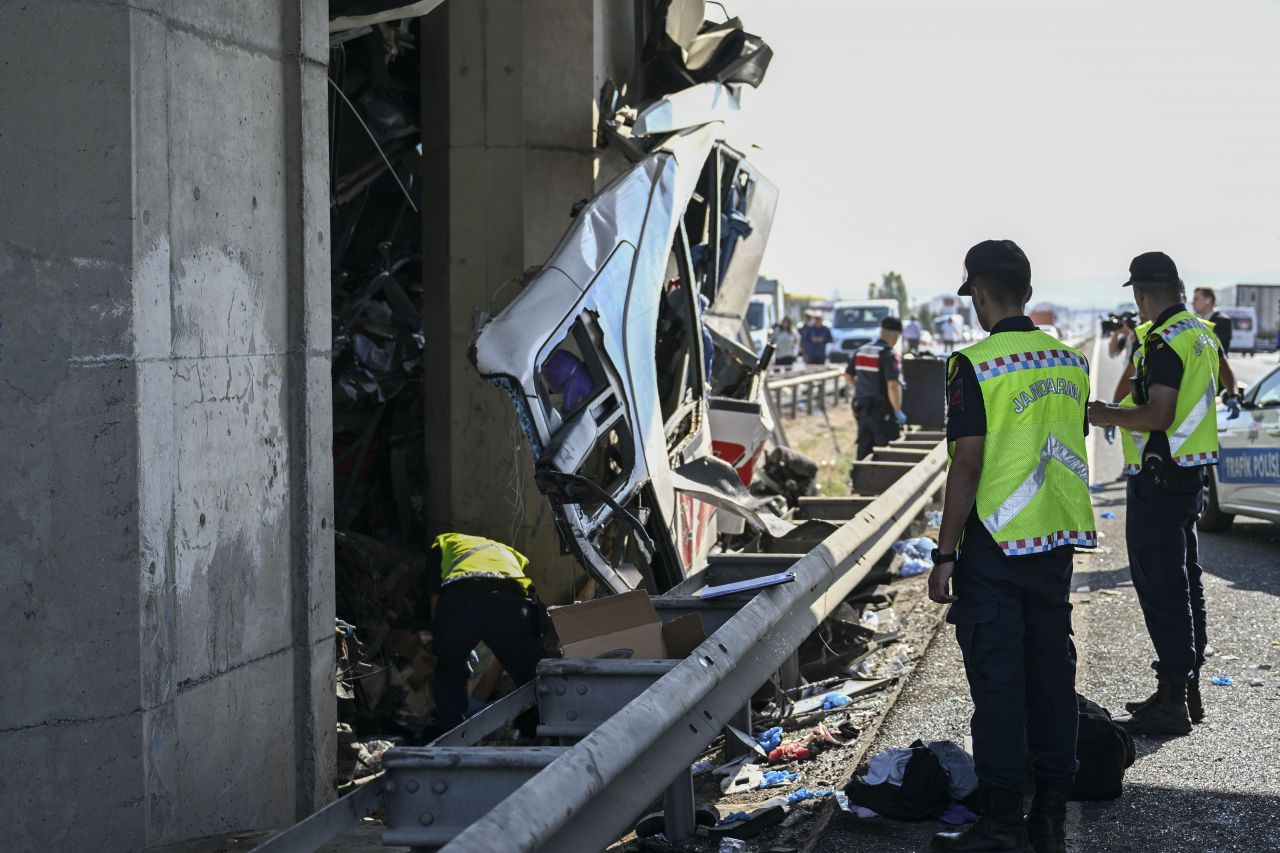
(1268, 393)
(1242, 324)
(755, 316)
(849, 318)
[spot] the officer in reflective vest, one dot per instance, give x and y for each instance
(1016, 506)
(875, 373)
(1171, 421)
(484, 595)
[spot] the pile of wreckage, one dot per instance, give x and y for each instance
(625, 356)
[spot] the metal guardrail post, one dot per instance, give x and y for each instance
(795, 393)
(678, 818)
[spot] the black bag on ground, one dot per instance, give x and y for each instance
(1104, 751)
(785, 472)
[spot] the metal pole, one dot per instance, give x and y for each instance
(795, 397)
(808, 398)
(677, 807)
(741, 720)
(789, 674)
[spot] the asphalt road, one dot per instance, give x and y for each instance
(1215, 790)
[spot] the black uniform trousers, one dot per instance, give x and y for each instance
(1013, 624)
(1160, 526)
(876, 424)
(471, 610)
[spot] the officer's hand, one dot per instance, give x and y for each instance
(1099, 413)
(1109, 433)
(1232, 402)
(901, 417)
(940, 583)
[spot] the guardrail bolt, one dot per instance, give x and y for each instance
(582, 690)
(571, 715)
(559, 689)
(411, 786)
(426, 818)
(439, 786)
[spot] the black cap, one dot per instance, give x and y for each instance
(893, 324)
(994, 256)
(1153, 268)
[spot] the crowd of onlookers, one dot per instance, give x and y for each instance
(811, 343)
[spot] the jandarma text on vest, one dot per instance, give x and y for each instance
(1043, 388)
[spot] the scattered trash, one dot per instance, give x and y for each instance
(899, 664)
(801, 794)
(746, 778)
(881, 621)
(914, 567)
(733, 817)
(733, 845)
(834, 700)
(933, 517)
(842, 800)
(773, 778)
(1082, 589)
(1209, 651)
(1256, 682)
(701, 766)
(1231, 657)
(747, 585)
(1263, 666)
(920, 548)
(1222, 680)
(770, 738)
(1109, 591)
(796, 751)
(1107, 514)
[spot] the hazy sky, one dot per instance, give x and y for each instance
(900, 133)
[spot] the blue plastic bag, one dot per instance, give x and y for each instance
(834, 700)
(770, 739)
(777, 777)
(1223, 680)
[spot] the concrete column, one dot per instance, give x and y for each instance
(509, 115)
(165, 550)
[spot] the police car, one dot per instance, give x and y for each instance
(1246, 480)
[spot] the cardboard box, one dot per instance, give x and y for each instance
(624, 627)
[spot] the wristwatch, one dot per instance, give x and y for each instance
(939, 557)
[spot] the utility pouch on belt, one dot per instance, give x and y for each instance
(1171, 477)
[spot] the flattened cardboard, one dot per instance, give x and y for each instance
(617, 626)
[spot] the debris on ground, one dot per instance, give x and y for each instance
(1222, 681)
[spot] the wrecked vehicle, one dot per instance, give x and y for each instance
(625, 354)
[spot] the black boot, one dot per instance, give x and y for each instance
(1046, 823)
(1195, 706)
(999, 830)
(1167, 715)
(1131, 707)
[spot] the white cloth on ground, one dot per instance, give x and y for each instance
(887, 766)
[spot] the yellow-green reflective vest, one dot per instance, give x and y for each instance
(463, 556)
(1033, 493)
(1129, 439)
(1193, 434)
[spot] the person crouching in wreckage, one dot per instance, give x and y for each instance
(1016, 505)
(483, 595)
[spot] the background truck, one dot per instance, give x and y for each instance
(854, 323)
(1264, 299)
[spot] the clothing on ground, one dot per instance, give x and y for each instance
(887, 766)
(962, 778)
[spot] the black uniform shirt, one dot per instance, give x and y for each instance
(1222, 328)
(967, 417)
(872, 372)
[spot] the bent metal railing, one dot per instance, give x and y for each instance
(631, 727)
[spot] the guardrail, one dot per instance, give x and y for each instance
(815, 387)
(631, 728)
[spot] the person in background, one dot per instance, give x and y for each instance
(875, 373)
(784, 344)
(814, 340)
(1205, 303)
(911, 333)
(949, 334)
